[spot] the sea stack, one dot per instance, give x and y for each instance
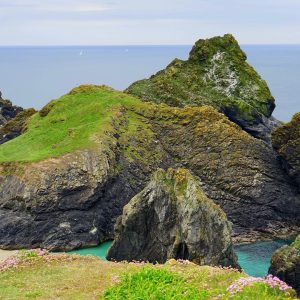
(173, 218)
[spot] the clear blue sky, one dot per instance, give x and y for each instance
(105, 22)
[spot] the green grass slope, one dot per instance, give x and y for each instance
(66, 124)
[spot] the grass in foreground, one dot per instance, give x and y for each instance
(42, 276)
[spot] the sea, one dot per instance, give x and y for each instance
(32, 76)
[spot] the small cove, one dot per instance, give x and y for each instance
(254, 258)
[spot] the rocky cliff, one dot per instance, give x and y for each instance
(15, 126)
(65, 181)
(218, 75)
(173, 218)
(286, 140)
(285, 264)
(7, 111)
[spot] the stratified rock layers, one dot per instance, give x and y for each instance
(73, 200)
(173, 218)
(286, 140)
(285, 264)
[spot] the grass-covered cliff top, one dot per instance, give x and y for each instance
(87, 115)
(66, 124)
(36, 275)
(216, 74)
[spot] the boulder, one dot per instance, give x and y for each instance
(285, 264)
(173, 218)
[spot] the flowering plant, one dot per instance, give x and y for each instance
(269, 281)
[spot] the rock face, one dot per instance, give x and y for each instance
(286, 140)
(7, 111)
(73, 200)
(173, 218)
(285, 264)
(16, 126)
(215, 74)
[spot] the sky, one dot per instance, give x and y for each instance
(147, 22)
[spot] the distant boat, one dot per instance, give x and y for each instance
(81, 53)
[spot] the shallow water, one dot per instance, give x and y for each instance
(254, 258)
(99, 251)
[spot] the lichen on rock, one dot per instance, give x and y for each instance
(286, 141)
(215, 74)
(173, 218)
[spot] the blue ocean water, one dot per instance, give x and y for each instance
(32, 76)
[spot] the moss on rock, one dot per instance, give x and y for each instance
(285, 264)
(16, 126)
(286, 140)
(215, 74)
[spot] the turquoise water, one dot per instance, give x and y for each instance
(255, 258)
(99, 251)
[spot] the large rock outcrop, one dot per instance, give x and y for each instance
(16, 126)
(285, 264)
(7, 110)
(76, 182)
(173, 218)
(215, 74)
(286, 141)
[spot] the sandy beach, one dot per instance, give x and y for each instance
(6, 253)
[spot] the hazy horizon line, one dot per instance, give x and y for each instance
(141, 45)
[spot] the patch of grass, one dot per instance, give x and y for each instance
(66, 124)
(151, 283)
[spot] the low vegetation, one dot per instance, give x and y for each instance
(40, 275)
